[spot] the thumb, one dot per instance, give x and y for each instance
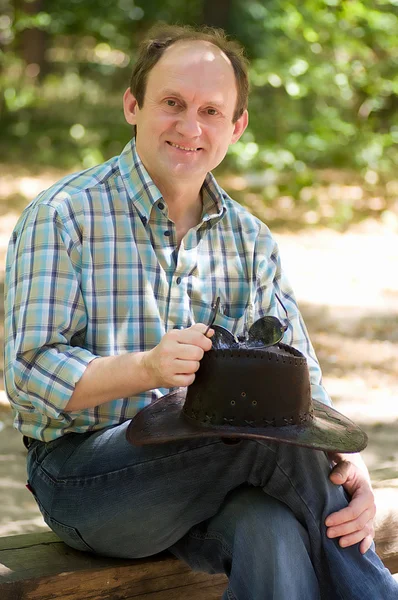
(202, 328)
(340, 472)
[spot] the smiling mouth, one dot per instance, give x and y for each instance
(184, 147)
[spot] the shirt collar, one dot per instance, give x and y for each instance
(139, 186)
(213, 198)
(144, 193)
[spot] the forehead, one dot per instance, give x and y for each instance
(195, 51)
(196, 64)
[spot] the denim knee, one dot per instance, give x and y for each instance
(258, 519)
(255, 540)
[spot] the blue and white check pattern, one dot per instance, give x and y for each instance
(93, 270)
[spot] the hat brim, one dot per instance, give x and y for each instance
(163, 421)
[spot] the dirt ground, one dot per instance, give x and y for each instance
(347, 287)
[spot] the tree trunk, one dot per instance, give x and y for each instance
(33, 41)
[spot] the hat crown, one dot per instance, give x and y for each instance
(257, 394)
(241, 387)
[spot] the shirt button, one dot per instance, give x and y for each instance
(167, 233)
(160, 206)
(178, 280)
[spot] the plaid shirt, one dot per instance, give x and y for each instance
(93, 269)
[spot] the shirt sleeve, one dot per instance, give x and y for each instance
(45, 315)
(272, 281)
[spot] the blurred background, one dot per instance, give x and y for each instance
(318, 164)
(321, 147)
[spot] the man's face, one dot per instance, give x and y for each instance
(185, 125)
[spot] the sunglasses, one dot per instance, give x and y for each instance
(266, 331)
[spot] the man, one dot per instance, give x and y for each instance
(111, 277)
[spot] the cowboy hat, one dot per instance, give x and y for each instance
(262, 394)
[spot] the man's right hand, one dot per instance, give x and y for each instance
(175, 360)
(172, 363)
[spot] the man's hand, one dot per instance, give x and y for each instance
(175, 360)
(354, 523)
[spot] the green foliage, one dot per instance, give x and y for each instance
(324, 81)
(323, 74)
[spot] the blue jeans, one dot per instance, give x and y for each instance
(253, 510)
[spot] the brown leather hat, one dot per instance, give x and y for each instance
(260, 394)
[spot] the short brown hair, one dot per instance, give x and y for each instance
(161, 36)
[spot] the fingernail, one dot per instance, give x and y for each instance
(329, 520)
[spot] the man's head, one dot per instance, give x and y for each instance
(163, 36)
(187, 105)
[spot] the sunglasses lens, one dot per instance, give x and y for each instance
(222, 338)
(266, 331)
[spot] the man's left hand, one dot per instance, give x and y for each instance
(353, 524)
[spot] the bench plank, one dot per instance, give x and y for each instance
(115, 584)
(39, 566)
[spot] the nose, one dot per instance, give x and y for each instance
(188, 125)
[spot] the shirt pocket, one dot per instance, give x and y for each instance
(235, 323)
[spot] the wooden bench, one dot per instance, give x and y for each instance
(39, 566)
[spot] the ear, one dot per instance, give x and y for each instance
(130, 107)
(240, 126)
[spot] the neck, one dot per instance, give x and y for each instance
(184, 205)
(184, 201)
(185, 212)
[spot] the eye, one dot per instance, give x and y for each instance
(171, 103)
(212, 111)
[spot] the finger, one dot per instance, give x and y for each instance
(344, 515)
(366, 544)
(207, 331)
(186, 367)
(189, 352)
(182, 380)
(357, 537)
(350, 526)
(201, 327)
(356, 507)
(194, 335)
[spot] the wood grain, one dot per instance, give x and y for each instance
(38, 566)
(41, 567)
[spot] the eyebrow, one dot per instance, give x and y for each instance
(170, 92)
